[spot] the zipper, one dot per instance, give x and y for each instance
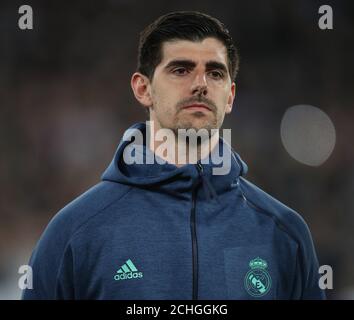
(194, 237)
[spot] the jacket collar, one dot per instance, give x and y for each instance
(178, 181)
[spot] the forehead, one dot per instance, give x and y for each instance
(198, 51)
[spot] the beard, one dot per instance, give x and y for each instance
(178, 118)
(195, 120)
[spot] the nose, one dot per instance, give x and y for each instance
(200, 86)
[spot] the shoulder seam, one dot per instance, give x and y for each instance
(98, 212)
(270, 215)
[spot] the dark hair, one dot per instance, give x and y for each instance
(183, 25)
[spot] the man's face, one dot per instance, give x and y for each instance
(191, 87)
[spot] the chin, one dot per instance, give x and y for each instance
(196, 121)
(196, 125)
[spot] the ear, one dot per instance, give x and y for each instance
(142, 90)
(231, 98)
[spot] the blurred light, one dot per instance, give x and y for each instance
(308, 134)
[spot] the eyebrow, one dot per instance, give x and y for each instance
(210, 65)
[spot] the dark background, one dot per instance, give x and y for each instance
(66, 100)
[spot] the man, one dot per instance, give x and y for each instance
(168, 227)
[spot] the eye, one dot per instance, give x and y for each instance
(216, 74)
(180, 71)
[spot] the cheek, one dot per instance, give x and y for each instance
(222, 100)
(226, 98)
(164, 100)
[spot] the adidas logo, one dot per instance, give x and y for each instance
(128, 271)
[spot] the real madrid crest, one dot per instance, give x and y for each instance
(257, 280)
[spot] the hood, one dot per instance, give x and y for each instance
(178, 181)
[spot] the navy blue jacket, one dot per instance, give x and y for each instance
(151, 231)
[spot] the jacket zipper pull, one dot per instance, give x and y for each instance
(199, 168)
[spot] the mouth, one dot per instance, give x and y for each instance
(197, 107)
